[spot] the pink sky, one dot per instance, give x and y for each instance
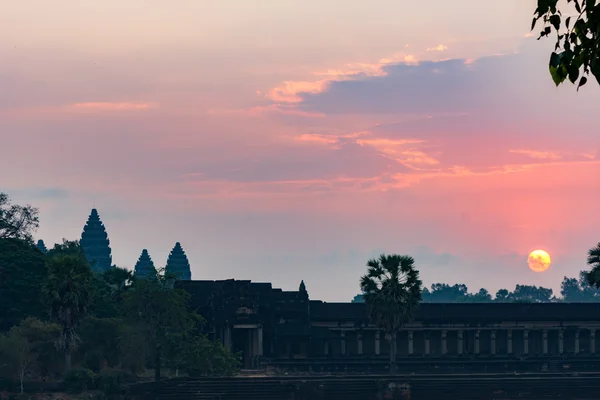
(294, 140)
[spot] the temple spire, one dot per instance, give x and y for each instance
(178, 264)
(302, 287)
(41, 246)
(95, 243)
(144, 266)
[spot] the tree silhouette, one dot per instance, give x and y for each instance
(577, 51)
(593, 260)
(392, 291)
(68, 291)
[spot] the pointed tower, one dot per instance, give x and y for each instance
(178, 264)
(144, 266)
(95, 243)
(41, 246)
(302, 287)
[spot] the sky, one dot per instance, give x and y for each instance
(293, 140)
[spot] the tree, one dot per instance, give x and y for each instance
(18, 353)
(502, 295)
(483, 296)
(358, 299)
(100, 345)
(202, 356)
(593, 260)
(530, 294)
(17, 222)
(157, 312)
(25, 347)
(68, 292)
(392, 291)
(575, 290)
(67, 247)
(22, 272)
(444, 293)
(577, 51)
(109, 290)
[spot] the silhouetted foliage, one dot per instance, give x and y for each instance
(444, 293)
(17, 222)
(575, 290)
(572, 290)
(22, 273)
(531, 294)
(27, 350)
(158, 313)
(392, 291)
(593, 260)
(577, 51)
(67, 247)
(68, 292)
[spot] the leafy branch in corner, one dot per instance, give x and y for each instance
(576, 54)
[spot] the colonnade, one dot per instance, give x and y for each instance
(440, 345)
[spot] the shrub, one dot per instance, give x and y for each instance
(93, 361)
(79, 380)
(111, 381)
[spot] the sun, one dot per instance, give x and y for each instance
(539, 261)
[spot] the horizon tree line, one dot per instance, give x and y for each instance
(572, 290)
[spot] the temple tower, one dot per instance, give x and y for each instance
(95, 243)
(178, 264)
(41, 246)
(144, 267)
(302, 287)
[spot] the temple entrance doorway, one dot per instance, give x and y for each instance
(248, 340)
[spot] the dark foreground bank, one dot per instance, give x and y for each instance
(421, 387)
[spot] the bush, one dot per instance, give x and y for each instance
(93, 361)
(79, 380)
(111, 381)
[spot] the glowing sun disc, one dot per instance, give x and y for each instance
(539, 261)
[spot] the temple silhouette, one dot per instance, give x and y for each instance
(286, 330)
(95, 243)
(144, 265)
(96, 247)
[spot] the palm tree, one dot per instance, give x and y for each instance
(392, 291)
(68, 291)
(593, 260)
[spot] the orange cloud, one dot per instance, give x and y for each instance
(329, 139)
(439, 47)
(289, 91)
(316, 138)
(539, 155)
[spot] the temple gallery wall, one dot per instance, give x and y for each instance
(285, 329)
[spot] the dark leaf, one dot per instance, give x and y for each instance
(582, 82)
(558, 74)
(554, 59)
(573, 73)
(555, 21)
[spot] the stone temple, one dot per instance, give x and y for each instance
(144, 266)
(41, 246)
(178, 264)
(95, 243)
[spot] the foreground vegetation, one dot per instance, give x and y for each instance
(59, 321)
